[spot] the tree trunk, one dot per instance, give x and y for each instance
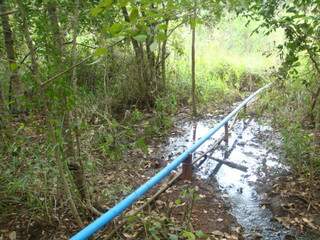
(150, 80)
(75, 26)
(163, 60)
(59, 61)
(64, 180)
(57, 35)
(105, 87)
(68, 152)
(139, 54)
(14, 84)
(2, 113)
(26, 32)
(2, 104)
(193, 65)
(315, 95)
(79, 173)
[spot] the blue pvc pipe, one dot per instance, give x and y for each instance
(107, 217)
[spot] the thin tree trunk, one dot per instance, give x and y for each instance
(75, 26)
(139, 54)
(151, 69)
(163, 59)
(193, 65)
(2, 119)
(14, 84)
(59, 50)
(79, 173)
(105, 87)
(64, 179)
(69, 151)
(27, 35)
(135, 44)
(150, 80)
(60, 61)
(57, 35)
(315, 98)
(2, 105)
(315, 95)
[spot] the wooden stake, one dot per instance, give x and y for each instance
(187, 168)
(226, 134)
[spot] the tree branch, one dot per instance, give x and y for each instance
(43, 84)
(8, 12)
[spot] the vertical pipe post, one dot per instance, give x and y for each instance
(226, 134)
(187, 168)
(245, 109)
(226, 147)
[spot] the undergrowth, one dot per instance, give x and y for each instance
(112, 121)
(287, 103)
(161, 224)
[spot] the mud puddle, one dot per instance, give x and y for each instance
(251, 145)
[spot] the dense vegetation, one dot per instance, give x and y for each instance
(79, 78)
(297, 87)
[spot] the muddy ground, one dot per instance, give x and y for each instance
(276, 199)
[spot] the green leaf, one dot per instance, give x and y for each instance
(13, 66)
(115, 39)
(106, 3)
(154, 235)
(141, 144)
(153, 46)
(157, 225)
(134, 14)
(132, 218)
(161, 36)
(163, 27)
(173, 237)
(116, 28)
(178, 201)
(100, 52)
(123, 3)
(188, 235)
(200, 234)
(140, 37)
(96, 11)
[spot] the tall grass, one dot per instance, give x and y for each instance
(229, 60)
(289, 104)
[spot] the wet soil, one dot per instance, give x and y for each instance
(209, 213)
(248, 196)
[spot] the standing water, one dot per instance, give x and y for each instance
(248, 145)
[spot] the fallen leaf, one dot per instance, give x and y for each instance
(217, 233)
(13, 235)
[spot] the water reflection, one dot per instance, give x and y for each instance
(248, 146)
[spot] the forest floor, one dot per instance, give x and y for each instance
(294, 201)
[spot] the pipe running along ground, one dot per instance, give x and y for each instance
(115, 211)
